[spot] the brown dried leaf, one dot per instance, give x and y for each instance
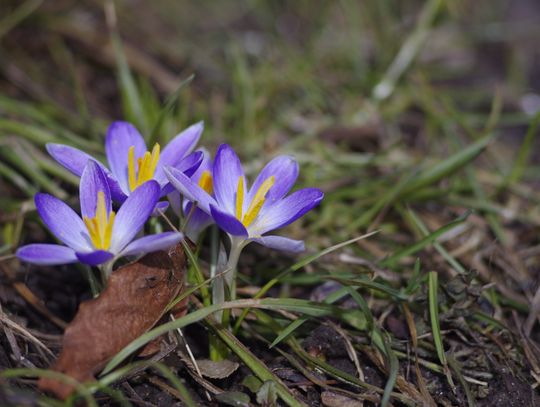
(133, 302)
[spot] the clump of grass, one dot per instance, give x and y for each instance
(439, 164)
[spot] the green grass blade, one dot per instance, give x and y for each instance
(393, 259)
(448, 166)
(170, 103)
(434, 316)
(19, 14)
(255, 364)
(313, 309)
(524, 153)
(298, 265)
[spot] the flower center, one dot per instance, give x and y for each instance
(100, 226)
(144, 169)
(206, 183)
(257, 202)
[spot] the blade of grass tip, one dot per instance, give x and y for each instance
(525, 151)
(130, 93)
(393, 259)
(170, 103)
(49, 374)
(442, 251)
(433, 287)
(298, 265)
(408, 51)
(13, 19)
(255, 364)
(448, 166)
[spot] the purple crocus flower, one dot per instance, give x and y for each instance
(130, 163)
(247, 214)
(101, 235)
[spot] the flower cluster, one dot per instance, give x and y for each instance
(118, 199)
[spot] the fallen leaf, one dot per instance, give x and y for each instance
(133, 302)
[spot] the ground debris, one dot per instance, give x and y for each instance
(134, 301)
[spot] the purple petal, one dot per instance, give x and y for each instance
(228, 222)
(93, 180)
(188, 166)
(178, 148)
(120, 137)
(133, 214)
(160, 208)
(281, 243)
(95, 258)
(226, 172)
(71, 158)
(75, 160)
(189, 189)
(206, 164)
(46, 254)
(285, 170)
(286, 210)
(63, 222)
(152, 243)
(191, 163)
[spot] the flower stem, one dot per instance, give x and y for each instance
(105, 270)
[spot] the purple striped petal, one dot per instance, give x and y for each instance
(152, 243)
(71, 158)
(226, 172)
(287, 210)
(206, 164)
(95, 258)
(191, 163)
(188, 166)
(46, 254)
(75, 160)
(120, 137)
(189, 189)
(281, 243)
(63, 222)
(178, 148)
(93, 180)
(285, 170)
(228, 222)
(133, 214)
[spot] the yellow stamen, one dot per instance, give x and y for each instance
(131, 169)
(258, 201)
(240, 198)
(205, 182)
(100, 227)
(146, 166)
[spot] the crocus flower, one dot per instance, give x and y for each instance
(130, 163)
(101, 235)
(197, 219)
(247, 214)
